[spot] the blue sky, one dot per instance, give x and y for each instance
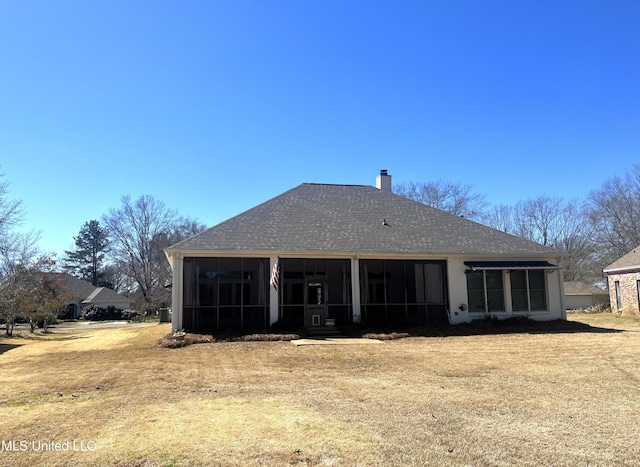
(213, 107)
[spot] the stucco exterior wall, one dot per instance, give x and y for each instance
(628, 292)
(573, 302)
(458, 291)
(458, 294)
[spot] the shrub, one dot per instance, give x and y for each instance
(132, 315)
(597, 308)
(94, 313)
(386, 336)
(146, 309)
(175, 340)
(264, 337)
(42, 319)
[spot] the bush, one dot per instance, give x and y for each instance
(132, 315)
(94, 313)
(178, 339)
(386, 336)
(597, 308)
(144, 310)
(38, 319)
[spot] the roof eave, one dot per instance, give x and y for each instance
(621, 269)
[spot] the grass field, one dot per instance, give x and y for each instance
(113, 397)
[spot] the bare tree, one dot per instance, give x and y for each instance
(541, 219)
(453, 198)
(14, 247)
(17, 251)
(556, 223)
(30, 287)
(116, 278)
(500, 217)
(614, 212)
(17, 248)
(11, 212)
(140, 230)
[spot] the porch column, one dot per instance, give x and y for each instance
(273, 293)
(176, 291)
(355, 288)
(563, 308)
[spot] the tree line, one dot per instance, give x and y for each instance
(594, 231)
(124, 250)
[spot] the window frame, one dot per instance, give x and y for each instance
(618, 295)
(486, 291)
(528, 289)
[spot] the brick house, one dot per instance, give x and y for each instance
(623, 277)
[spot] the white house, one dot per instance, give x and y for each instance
(83, 293)
(356, 253)
(578, 295)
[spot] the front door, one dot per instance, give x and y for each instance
(316, 303)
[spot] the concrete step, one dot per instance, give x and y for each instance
(323, 331)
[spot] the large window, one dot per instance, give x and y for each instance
(528, 290)
(618, 295)
(225, 292)
(485, 291)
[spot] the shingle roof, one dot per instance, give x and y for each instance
(87, 293)
(77, 288)
(580, 288)
(105, 296)
(629, 261)
(351, 218)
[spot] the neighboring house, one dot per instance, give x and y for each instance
(579, 295)
(354, 253)
(83, 294)
(623, 276)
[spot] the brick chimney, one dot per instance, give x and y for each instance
(383, 181)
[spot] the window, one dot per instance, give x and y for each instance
(485, 291)
(618, 296)
(528, 290)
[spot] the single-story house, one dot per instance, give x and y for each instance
(580, 295)
(623, 277)
(353, 253)
(84, 293)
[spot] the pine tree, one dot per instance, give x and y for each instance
(87, 259)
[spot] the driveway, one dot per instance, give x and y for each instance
(86, 325)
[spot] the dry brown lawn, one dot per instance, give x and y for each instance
(514, 399)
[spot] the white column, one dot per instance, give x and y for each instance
(355, 289)
(273, 294)
(563, 308)
(176, 292)
(508, 301)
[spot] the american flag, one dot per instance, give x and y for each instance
(275, 275)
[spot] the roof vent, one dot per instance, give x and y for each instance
(383, 181)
